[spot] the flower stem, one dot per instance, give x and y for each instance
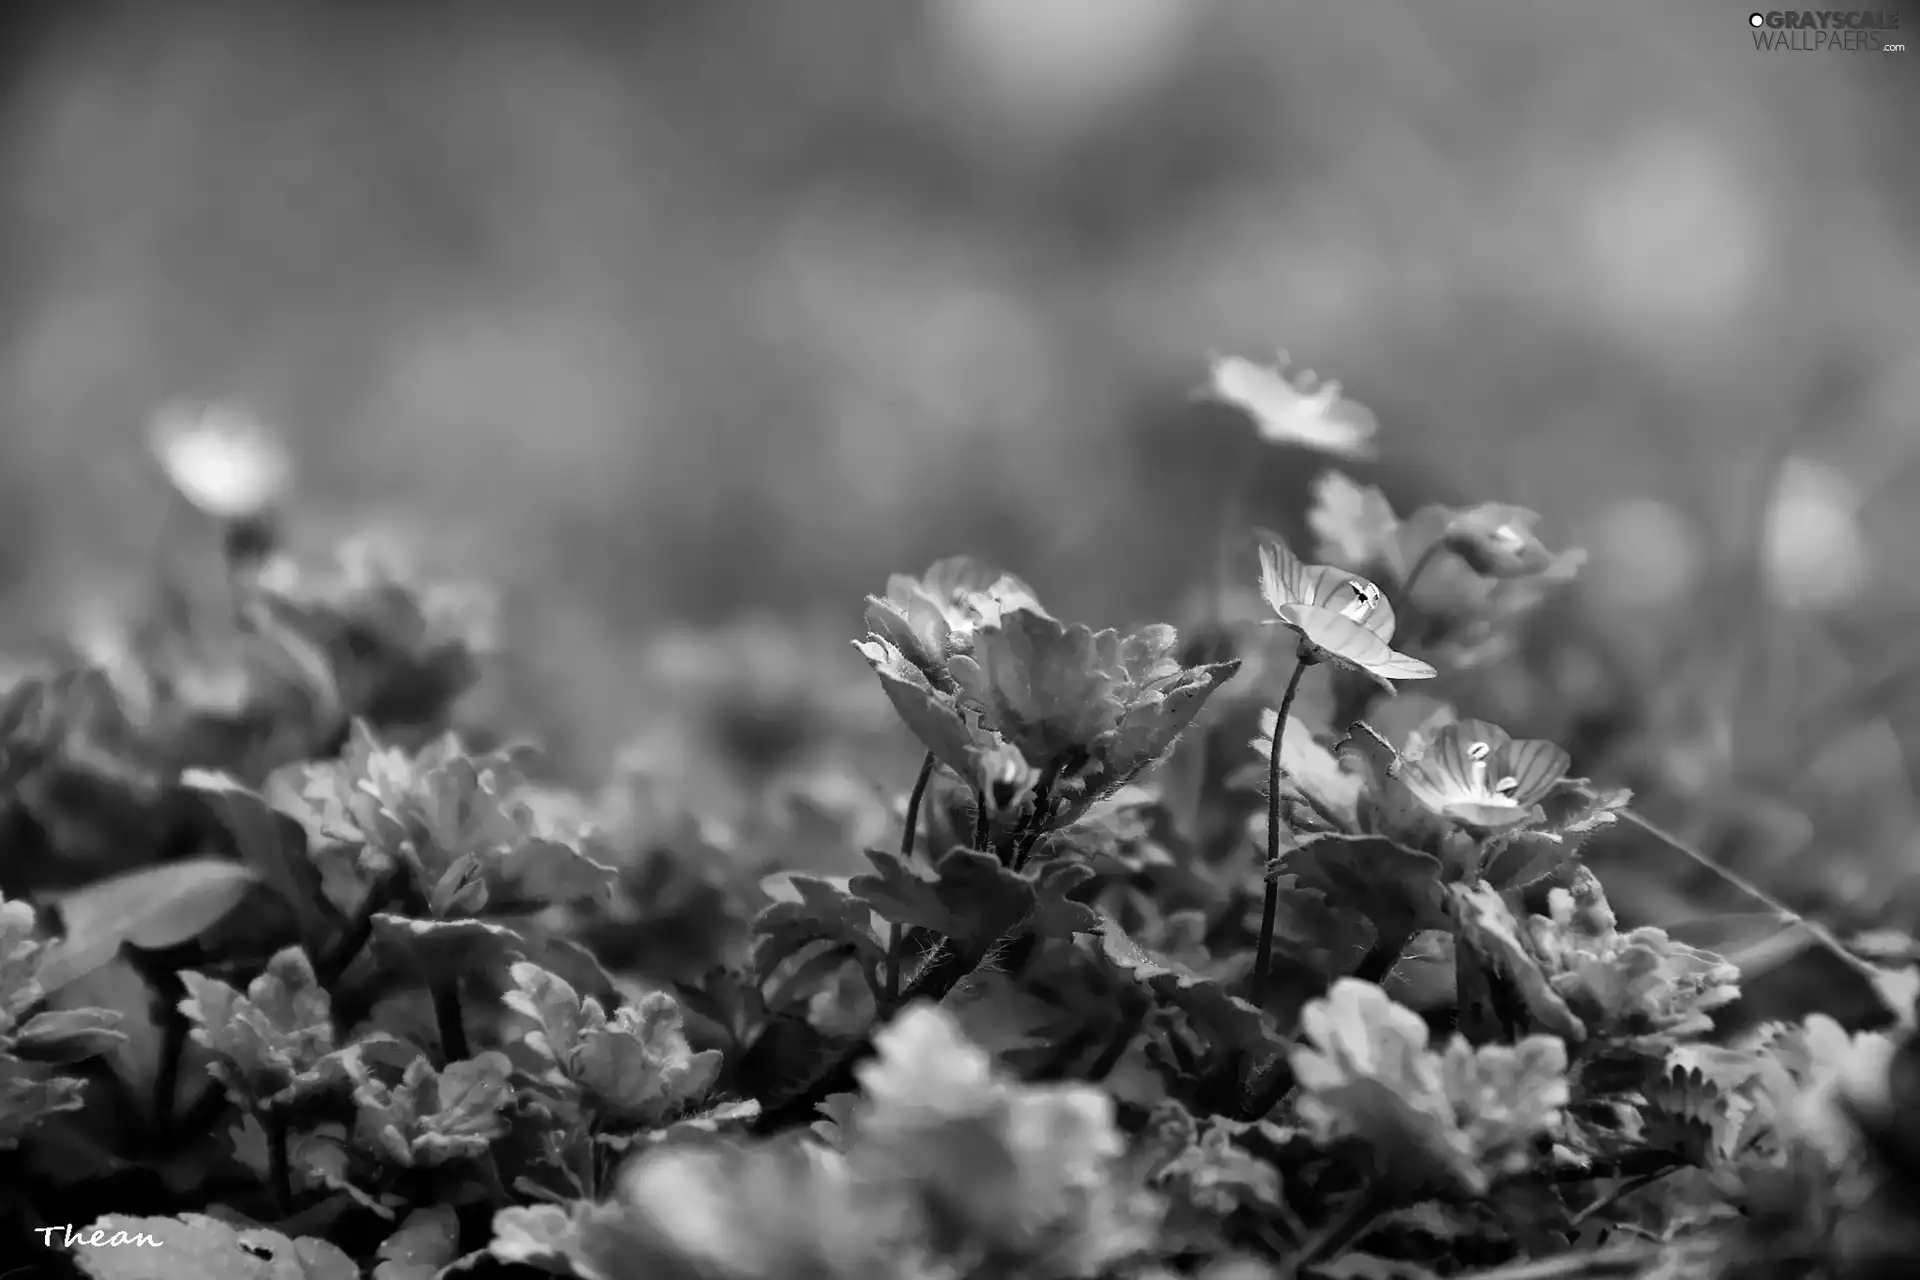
(166, 1085)
(453, 1028)
(1341, 1232)
(1434, 551)
(279, 1165)
(1263, 957)
(1821, 935)
(906, 855)
(1233, 513)
(337, 959)
(1380, 959)
(1035, 824)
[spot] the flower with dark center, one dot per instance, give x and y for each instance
(1339, 617)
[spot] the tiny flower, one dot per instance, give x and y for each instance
(222, 460)
(1497, 541)
(1300, 409)
(1478, 775)
(1338, 616)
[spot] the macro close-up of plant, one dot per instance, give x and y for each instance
(306, 974)
(730, 642)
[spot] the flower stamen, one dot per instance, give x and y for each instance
(1366, 598)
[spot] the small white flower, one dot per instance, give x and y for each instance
(1294, 408)
(221, 459)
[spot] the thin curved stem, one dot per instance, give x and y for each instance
(1341, 1232)
(1270, 908)
(1232, 514)
(1822, 936)
(906, 855)
(1435, 549)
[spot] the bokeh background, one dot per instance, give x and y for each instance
(682, 315)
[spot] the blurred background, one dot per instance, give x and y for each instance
(683, 315)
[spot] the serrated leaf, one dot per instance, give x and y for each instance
(1149, 727)
(154, 908)
(431, 1117)
(972, 898)
(1055, 914)
(634, 1067)
(824, 912)
(1228, 1023)
(274, 1041)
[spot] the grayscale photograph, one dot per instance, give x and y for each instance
(959, 640)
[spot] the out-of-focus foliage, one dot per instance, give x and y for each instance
(621, 295)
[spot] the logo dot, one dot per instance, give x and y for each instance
(1757, 19)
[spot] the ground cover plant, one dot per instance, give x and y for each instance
(1233, 951)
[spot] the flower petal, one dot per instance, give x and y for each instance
(1299, 410)
(1489, 817)
(1536, 766)
(1284, 579)
(1354, 644)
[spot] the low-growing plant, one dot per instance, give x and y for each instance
(1233, 960)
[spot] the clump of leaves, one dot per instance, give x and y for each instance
(1044, 718)
(1445, 1122)
(940, 1168)
(34, 1044)
(1076, 1004)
